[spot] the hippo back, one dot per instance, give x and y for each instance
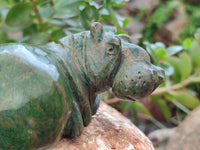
(34, 102)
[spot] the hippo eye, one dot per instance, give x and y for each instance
(111, 50)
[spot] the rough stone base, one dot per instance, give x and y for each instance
(108, 130)
(187, 134)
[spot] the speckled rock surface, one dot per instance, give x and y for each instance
(187, 135)
(108, 129)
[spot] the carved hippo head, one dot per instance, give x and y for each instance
(113, 61)
(136, 77)
(96, 54)
(125, 67)
(103, 58)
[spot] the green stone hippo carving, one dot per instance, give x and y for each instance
(52, 90)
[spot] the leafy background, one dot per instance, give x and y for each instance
(42, 21)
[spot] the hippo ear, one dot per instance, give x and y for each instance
(96, 30)
(125, 38)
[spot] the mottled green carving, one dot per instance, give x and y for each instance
(52, 90)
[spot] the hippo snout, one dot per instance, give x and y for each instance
(158, 75)
(136, 77)
(137, 81)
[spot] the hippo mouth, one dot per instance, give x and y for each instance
(130, 98)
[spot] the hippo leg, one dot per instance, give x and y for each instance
(96, 105)
(74, 125)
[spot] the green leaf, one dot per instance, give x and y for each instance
(73, 22)
(185, 65)
(89, 15)
(186, 98)
(169, 70)
(161, 53)
(57, 34)
(65, 14)
(135, 114)
(113, 17)
(197, 35)
(165, 109)
(174, 49)
(159, 49)
(126, 105)
(104, 11)
(39, 38)
(181, 107)
(32, 29)
(42, 2)
(120, 19)
(126, 22)
(151, 50)
(4, 3)
(174, 61)
(73, 30)
(46, 12)
(159, 45)
(19, 15)
(187, 43)
(141, 107)
(67, 4)
(3, 37)
(194, 52)
(57, 22)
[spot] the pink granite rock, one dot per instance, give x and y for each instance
(108, 129)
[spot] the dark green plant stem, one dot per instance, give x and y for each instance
(113, 16)
(156, 122)
(37, 15)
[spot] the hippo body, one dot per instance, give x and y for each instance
(52, 90)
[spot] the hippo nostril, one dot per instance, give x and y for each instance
(161, 78)
(163, 72)
(155, 73)
(155, 86)
(161, 75)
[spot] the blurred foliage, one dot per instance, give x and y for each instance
(41, 21)
(161, 14)
(193, 15)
